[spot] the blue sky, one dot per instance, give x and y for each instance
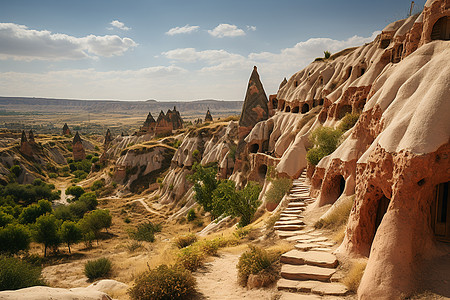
(174, 50)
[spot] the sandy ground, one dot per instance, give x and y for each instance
(218, 280)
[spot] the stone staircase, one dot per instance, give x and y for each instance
(307, 270)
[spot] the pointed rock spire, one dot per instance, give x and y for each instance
(31, 136)
(66, 130)
(108, 137)
(76, 138)
(23, 139)
(208, 117)
(149, 119)
(255, 107)
(283, 83)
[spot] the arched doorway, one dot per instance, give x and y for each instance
(295, 110)
(305, 108)
(441, 29)
(262, 171)
(254, 148)
(441, 212)
(288, 109)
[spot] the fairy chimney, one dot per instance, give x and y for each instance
(77, 147)
(208, 117)
(31, 137)
(66, 130)
(25, 146)
(108, 137)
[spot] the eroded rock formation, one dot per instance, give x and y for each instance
(78, 148)
(66, 130)
(208, 117)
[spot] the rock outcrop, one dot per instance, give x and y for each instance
(108, 138)
(25, 145)
(208, 116)
(394, 161)
(78, 148)
(66, 130)
(149, 125)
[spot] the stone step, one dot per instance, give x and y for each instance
(294, 211)
(290, 222)
(290, 215)
(312, 258)
(288, 218)
(297, 204)
(290, 234)
(288, 209)
(294, 296)
(313, 286)
(306, 246)
(288, 227)
(305, 272)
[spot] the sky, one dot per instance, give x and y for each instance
(174, 50)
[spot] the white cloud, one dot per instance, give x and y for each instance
(208, 56)
(20, 43)
(226, 30)
(119, 25)
(251, 28)
(181, 30)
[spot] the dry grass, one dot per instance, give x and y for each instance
(354, 275)
(338, 216)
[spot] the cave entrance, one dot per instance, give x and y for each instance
(262, 171)
(441, 29)
(282, 106)
(343, 110)
(288, 109)
(295, 110)
(441, 211)
(254, 148)
(274, 103)
(305, 108)
(383, 204)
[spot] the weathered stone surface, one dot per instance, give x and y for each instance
(290, 222)
(291, 296)
(66, 130)
(313, 258)
(305, 272)
(288, 227)
(77, 147)
(306, 246)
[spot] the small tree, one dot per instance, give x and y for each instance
(205, 182)
(75, 191)
(46, 231)
(32, 212)
(327, 54)
(325, 141)
(95, 221)
(5, 219)
(247, 203)
(14, 238)
(16, 170)
(224, 196)
(90, 199)
(70, 233)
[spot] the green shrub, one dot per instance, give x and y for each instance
(32, 212)
(98, 184)
(89, 156)
(191, 215)
(16, 170)
(14, 238)
(75, 191)
(145, 232)
(5, 218)
(52, 175)
(97, 268)
(95, 221)
(80, 174)
(254, 261)
(90, 199)
(190, 258)
(16, 274)
(279, 188)
(164, 282)
(327, 54)
(348, 121)
(127, 220)
(325, 141)
(185, 240)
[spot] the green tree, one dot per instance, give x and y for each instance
(90, 199)
(70, 233)
(16, 170)
(205, 182)
(246, 204)
(95, 221)
(14, 238)
(46, 231)
(16, 274)
(327, 54)
(5, 219)
(224, 195)
(75, 191)
(32, 212)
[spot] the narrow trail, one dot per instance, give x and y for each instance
(148, 208)
(307, 271)
(218, 280)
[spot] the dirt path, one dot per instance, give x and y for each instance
(141, 200)
(218, 280)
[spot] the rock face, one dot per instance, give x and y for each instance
(25, 145)
(78, 148)
(395, 160)
(148, 126)
(254, 110)
(208, 117)
(66, 130)
(139, 167)
(175, 118)
(163, 124)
